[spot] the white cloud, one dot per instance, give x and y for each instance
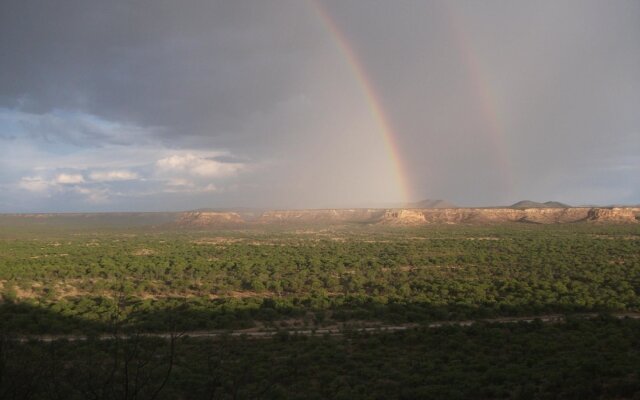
(171, 172)
(197, 165)
(74, 159)
(69, 179)
(112, 176)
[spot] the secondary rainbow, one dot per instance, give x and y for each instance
(483, 93)
(373, 99)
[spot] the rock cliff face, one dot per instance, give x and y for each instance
(409, 217)
(404, 217)
(621, 215)
(500, 215)
(497, 215)
(530, 215)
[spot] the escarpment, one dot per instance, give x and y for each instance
(416, 217)
(617, 214)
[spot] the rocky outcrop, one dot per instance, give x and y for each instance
(403, 217)
(530, 215)
(413, 216)
(498, 215)
(617, 214)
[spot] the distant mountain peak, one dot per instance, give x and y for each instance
(535, 204)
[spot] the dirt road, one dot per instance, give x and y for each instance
(331, 331)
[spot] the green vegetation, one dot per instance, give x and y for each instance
(233, 279)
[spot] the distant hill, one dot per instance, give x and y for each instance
(430, 203)
(535, 204)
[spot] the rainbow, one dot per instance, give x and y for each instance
(480, 86)
(373, 100)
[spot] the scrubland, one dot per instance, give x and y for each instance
(111, 286)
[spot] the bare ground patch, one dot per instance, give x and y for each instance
(217, 241)
(144, 252)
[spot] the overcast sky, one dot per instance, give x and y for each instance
(166, 105)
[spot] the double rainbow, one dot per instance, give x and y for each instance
(479, 83)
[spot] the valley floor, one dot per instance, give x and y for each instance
(521, 311)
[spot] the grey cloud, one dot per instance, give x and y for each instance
(198, 67)
(70, 128)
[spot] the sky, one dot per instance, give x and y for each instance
(164, 105)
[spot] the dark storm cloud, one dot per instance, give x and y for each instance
(200, 68)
